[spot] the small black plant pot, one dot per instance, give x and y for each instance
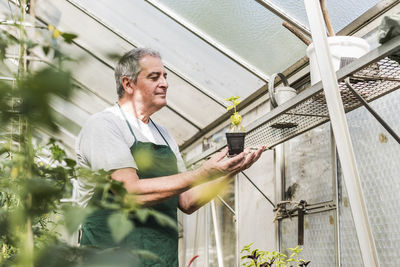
(235, 142)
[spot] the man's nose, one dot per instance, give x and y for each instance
(163, 82)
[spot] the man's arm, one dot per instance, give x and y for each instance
(155, 190)
(196, 197)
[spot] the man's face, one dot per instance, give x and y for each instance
(152, 83)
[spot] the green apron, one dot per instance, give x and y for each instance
(152, 161)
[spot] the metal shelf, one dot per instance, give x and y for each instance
(373, 76)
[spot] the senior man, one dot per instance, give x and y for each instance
(142, 155)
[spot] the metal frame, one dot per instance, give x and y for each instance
(225, 117)
(312, 208)
(363, 20)
(284, 15)
(77, 83)
(258, 189)
(207, 234)
(218, 242)
(280, 169)
(335, 197)
(372, 111)
(25, 24)
(3, 78)
(82, 86)
(237, 219)
(368, 16)
(206, 92)
(62, 135)
(226, 205)
(341, 74)
(342, 135)
(209, 40)
(318, 207)
(346, 71)
(69, 110)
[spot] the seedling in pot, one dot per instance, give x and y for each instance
(235, 138)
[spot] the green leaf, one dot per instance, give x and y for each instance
(70, 162)
(163, 220)
(44, 194)
(236, 102)
(142, 215)
(246, 248)
(68, 37)
(30, 44)
(75, 216)
(147, 255)
(46, 49)
(58, 153)
(120, 226)
(35, 91)
(230, 107)
(232, 98)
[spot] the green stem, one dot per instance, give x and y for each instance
(3, 252)
(29, 158)
(25, 131)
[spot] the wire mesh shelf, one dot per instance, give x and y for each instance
(372, 76)
(372, 82)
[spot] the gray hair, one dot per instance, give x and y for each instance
(129, 66)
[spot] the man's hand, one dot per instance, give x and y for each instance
(251, 157)
(218, 165)
(215, 175)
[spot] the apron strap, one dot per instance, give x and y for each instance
(130, 128)
(160, 133)
(127, 122)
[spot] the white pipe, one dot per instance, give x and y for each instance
(341, 132)
(237, 219)
(220, 256)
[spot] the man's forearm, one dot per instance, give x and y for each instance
(196, 197)
(155, 190)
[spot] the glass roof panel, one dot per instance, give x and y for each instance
(144, 25)
(255, 33)
(245, 27)
(95, 71)
(340, 12)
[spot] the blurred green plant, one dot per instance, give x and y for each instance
(235, 118)
(34, 178)
(30, 188)
(260, 258)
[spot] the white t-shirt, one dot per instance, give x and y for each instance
(105, 141)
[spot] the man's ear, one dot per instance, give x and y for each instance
(127, 84)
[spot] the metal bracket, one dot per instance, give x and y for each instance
(372, 111)
(289, 209)
(259, 190)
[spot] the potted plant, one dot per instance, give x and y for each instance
(235, 138)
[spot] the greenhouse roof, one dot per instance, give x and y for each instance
(211, 50)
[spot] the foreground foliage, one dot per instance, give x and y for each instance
(35, 224)
(259, 258)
